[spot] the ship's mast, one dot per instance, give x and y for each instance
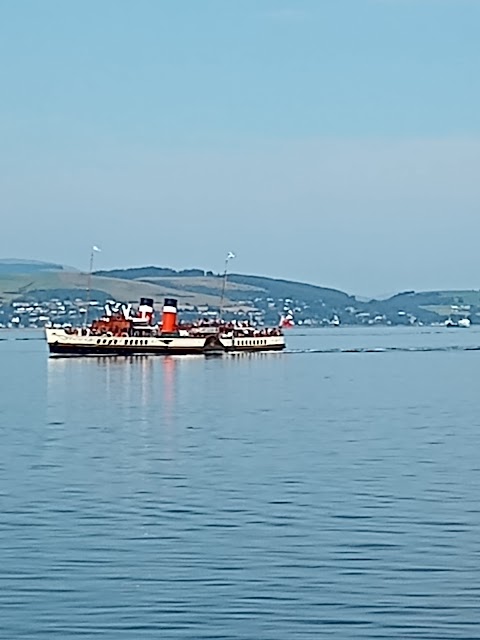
(229, 257)
(89, 283)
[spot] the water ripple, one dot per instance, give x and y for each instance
(243, 498)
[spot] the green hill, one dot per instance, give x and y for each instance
(9, 267)
(27, 286)
(23, 280)
(238, 285)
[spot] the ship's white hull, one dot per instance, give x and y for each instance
(75, 344)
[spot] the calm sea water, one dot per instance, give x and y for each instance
(318, 493)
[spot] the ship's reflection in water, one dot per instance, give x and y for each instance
(142, 389)
(169, 368)
(128, 385)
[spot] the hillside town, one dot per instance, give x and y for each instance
(34, 295)
(77, 310)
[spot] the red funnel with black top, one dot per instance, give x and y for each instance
(169, 316)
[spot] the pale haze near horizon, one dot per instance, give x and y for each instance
(336, 143)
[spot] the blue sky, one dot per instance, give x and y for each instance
(332, 141)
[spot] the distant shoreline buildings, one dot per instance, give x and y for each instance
(34, 294)
(26, 313)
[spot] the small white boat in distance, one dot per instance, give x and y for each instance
(335, 321)
(463, 323)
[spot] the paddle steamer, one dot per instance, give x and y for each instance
(121, 333)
